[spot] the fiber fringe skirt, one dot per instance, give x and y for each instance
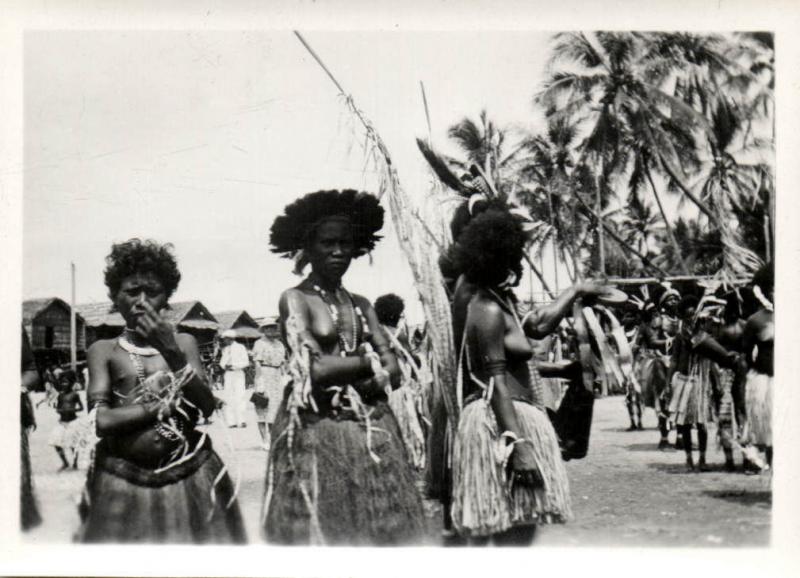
(403, 402)
(187, 504)
(691, 400)
(485, 501)
(324, 487)
(758, 404)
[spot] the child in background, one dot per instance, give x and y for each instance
(68, 405)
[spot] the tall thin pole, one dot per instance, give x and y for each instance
(427, 113)
(73, 345)
(599, 210)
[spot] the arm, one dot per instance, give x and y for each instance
(197, 390)
(490, 329)
(117, 420)
(380, 342)
(325, 369)
(749, 340)
(710, 348)
(544, 320)
(178, 350)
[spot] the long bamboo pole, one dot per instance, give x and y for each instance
(73, 333)
(643, 280)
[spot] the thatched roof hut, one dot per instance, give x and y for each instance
(188, 316)
(47, 322)
(240, 321)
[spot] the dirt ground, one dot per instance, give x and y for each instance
(625, 492)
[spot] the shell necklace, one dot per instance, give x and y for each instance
(126, 344)
(356, 315)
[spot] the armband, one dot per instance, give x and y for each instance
(495, 366)
(97, 403)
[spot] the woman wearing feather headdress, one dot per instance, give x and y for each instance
(154, 478)
(338, 470)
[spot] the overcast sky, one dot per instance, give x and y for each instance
(200, 139)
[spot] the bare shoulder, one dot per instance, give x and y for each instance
(186, 340)
(485, 309)
(361, 301)
(101, 349)
(292, 297)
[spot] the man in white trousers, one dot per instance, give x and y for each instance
(234, 361)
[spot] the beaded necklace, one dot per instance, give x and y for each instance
(356, 316)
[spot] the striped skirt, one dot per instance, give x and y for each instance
(485, 500)
(691, 400)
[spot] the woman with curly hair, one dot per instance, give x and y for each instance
(338, 472)
(155, 478)
(507, 470)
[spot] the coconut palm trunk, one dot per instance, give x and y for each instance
(670, 234)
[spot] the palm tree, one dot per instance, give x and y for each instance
(602, 77)
(484, 145)
(641, 227)
(726, 178)
(549, 164)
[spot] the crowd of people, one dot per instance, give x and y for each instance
(349, 406)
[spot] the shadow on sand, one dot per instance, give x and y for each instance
(746, 497)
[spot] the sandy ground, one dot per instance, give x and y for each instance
(625, 492)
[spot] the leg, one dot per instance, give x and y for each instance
(702, 443)
(64, 461)
(685, 432)
(663, 429)
(630, 403)
(639, 410)
(768, 452)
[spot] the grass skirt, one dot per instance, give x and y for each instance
(758, 404)
(182, 505)
(483, 501)
(652, 377)
(403, 402)
(327, 487)
(28, 507)
(691, 399)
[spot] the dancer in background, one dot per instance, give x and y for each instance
(155, 478)
(338, 471)
(652, 367)
(758, 339)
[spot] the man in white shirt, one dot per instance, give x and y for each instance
(234, 361)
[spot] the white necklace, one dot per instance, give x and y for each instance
(125, 344)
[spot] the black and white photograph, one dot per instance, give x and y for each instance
(400, 288)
